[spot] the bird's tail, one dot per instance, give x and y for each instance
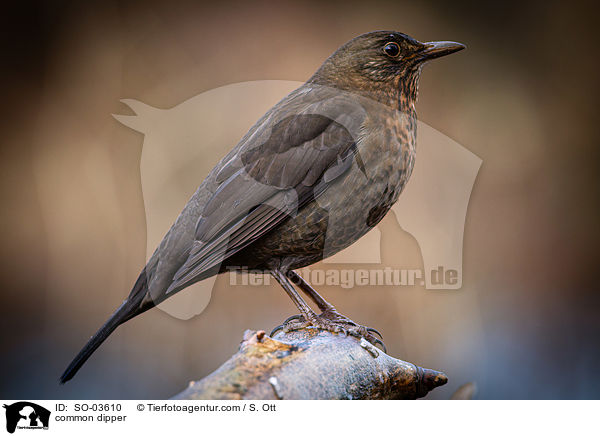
(130, 308)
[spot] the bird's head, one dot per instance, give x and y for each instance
(385, 64)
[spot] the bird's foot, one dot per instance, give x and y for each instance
(333, 321)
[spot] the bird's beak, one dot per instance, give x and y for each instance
(436, 49)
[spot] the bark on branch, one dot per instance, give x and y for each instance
(311, 364)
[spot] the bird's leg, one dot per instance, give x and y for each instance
(330, 319)
(308, 290)
(329, 311)
(305, 309)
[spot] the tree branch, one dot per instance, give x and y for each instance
(312, 364)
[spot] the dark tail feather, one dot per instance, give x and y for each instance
(127, 310)
(109, 326)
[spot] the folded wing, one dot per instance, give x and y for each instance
(266, 183)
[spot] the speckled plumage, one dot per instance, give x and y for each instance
(355, 202)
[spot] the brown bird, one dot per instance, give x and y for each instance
(314, 174)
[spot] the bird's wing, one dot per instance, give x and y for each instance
(269, 180)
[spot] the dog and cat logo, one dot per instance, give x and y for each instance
(182, 144)
(26, 415)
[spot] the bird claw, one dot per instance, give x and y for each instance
(297, 316)
(282, 326)
(342, 330)
(333, 322)
(380, 342)
(275, 330)
(372, 330)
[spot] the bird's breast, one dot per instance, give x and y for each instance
(357, 201)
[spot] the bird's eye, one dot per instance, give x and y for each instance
(391, 49)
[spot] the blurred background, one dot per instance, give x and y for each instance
(523, 97)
